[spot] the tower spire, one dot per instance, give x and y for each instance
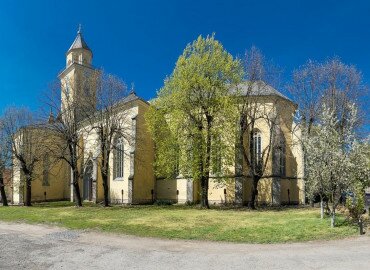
(79, 42)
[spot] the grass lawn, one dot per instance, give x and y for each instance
(184, 222)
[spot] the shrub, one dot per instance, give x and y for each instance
(163, 202)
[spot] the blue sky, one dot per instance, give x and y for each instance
(140, 41)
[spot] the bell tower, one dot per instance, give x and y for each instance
(79, 79)
(79, 52)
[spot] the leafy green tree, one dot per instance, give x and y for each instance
(356, 205)
(193, 118)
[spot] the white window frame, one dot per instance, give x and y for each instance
(257, 146)
(119, 160)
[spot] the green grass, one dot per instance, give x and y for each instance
(184, 222)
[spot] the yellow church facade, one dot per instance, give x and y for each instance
(282, 180)
(132, 179)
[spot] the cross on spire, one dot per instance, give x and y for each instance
(132, 91)
(79, 29)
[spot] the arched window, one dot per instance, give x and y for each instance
(118, 159)
(257, 147)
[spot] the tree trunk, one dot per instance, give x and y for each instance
(332, 224)
(321, 207)
(203, 169)
(105, 167)
(76, 189)
(205, 176)
(204, 186)
(312, 203)
(2, 190)
(106, 189)
(361, 226)
(28, 191)
(252, 202)
(327, 208)
(75, 174)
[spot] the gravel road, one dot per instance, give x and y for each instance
(43, 247)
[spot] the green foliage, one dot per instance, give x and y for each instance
(165, 143)
(356, 204)
(163, 202)
(191, 203)
(195, 104)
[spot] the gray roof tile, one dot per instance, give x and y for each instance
(79, 43)
(258, 88)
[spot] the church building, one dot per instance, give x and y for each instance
(132, 179)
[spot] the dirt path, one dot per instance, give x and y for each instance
(45, 247)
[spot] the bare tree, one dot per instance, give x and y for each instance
(344, 87)
(4, 198)
(307, 89)
(110, 120)
(333, 85)
(5, 157)
(26, 141)
(68, 104)
(256, 112)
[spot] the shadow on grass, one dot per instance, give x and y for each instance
(59, 204)
(230, 207)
